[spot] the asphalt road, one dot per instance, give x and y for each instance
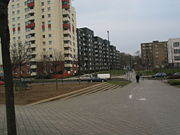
(148, 108)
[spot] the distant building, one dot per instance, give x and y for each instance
(154, 54)
(174, 52)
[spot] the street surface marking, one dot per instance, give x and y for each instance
(130, 96)
(142, 99)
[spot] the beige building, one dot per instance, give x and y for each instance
(154, 55)
(174, 52)
(49, 26)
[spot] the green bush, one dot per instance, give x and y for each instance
(174, 82)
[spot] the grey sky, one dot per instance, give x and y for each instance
(130, 22)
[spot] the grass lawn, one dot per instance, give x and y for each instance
(39, 92)
(121, 83)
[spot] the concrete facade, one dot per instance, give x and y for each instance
(154, 54)
(95, 53)
(174, 52)
(48, 26)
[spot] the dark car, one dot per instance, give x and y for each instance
(96, 79)
(159, 75)
(174, 76)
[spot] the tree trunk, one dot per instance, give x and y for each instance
(9, 93)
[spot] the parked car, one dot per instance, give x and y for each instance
(2, 82)
(85, 77)
(97, 79)
(174, 76)
(160, 74)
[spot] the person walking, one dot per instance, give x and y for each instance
(137, 78)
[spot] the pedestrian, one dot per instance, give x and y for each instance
(137, 78)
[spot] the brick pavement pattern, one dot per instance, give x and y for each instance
(148, 108)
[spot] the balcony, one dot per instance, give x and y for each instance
(33, 74)
(68, 65)
(68, 59)
(67, 38)
(66, 19)
(30, 5)
(32, 25)
(66, 6)
(65, 0)
(66, 26)
(33, 66)
(66, 31)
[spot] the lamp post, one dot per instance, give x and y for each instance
(109, 55)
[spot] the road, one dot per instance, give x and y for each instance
(148, 108)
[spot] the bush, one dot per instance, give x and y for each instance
(174, 82)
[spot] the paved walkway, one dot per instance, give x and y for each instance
(147, 108)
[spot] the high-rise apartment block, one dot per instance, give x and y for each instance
(174, 52)
(49, 26)
(95, 53)
(154, 54)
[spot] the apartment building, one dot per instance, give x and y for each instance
(112, 56)
(86, 50)
(99, 57)
(174, 52)
(154, 54)
(95, 53)
(48, 26)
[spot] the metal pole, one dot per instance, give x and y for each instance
(109, 55)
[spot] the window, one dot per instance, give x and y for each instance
(50, 35)
(50, 42)
(49, 22)
(13, 19)
(176, 44)
(49, 2)
(176, 57)
(49, 15)
(42, 10)
(49, 8)
(176, 51)
(18, 5)
(18, 11)
(43, 36)
(42, 3)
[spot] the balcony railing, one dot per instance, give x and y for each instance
(30, 4)
(65, 0)
(66, 6)
(30, 25)
(66, 26)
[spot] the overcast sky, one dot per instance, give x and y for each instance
(130, 22)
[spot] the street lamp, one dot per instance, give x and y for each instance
(109, 55)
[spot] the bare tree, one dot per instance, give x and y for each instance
(9, 93)
(57, 63)
(20, 56)
(44, 64)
